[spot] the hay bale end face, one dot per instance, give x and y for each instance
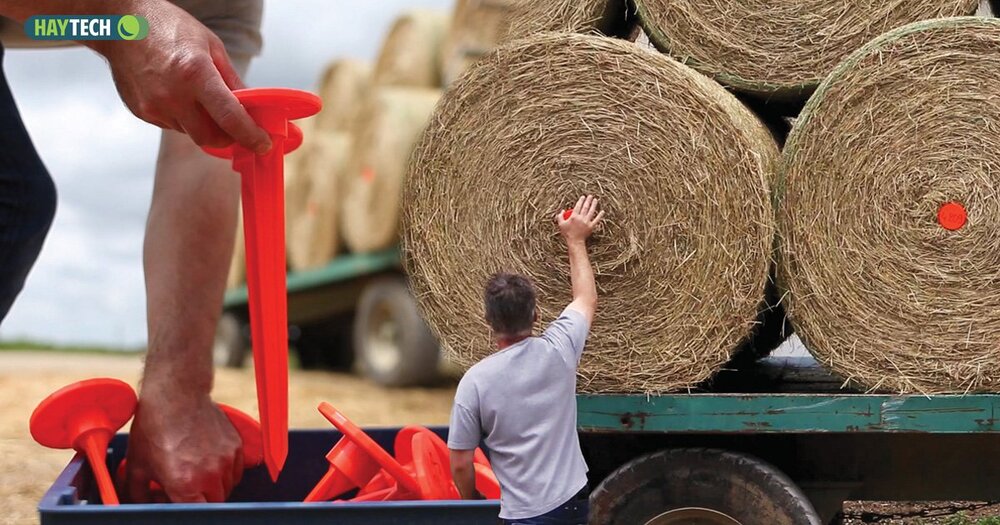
(342, 86)
(888, 284)
(777, 48)
(476, 27)
(410, 54)
(389, 125)
(680, 166)
(313, 237)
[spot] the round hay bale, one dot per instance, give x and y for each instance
(531, 17)
(342, 86)
(681, 168)
(878, 288)
(410, 53)
(777, 48)
(476, 27)
(390, 123)
(313, 237)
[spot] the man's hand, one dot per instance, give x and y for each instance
(185, 444)
(582, 222)
(180, 78)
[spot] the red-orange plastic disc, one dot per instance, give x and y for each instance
(366, 443)
(403, 444)
(952, 216)
(295, 103)
(249, 430)
(567, 214)
(432, 474)
(105, 402)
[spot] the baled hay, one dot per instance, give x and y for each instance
(680, 166)
(342, 86)
(476, 27)
(878, 290)
(531, 17)
(390, 123)
(410, 53)
(313, 237)
(775, 47)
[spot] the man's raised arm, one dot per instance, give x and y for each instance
(575, 230)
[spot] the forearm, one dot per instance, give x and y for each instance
(189, 242)
(465, 480)
(581, 273)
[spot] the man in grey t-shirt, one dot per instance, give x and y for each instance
(522, 399)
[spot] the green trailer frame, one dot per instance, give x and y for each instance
(836, 445)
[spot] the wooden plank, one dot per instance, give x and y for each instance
(788, 413)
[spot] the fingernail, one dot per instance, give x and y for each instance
(264, 147)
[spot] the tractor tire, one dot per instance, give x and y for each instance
(231, 345)
(392, 344)
(699, 487)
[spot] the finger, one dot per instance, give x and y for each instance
(229, 114)
(198, 125)
(588, 207)
(138, 485)
(237, 474)
(225, 66)
(558, 217)
(579, 206)
(216, 493)
(597, 220)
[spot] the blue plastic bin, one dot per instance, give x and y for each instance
(256, 500)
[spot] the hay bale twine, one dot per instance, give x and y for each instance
(777, 48)
(342, 86)
(879, 289)
(314, 239)
(390, 123)
(680, 166)
(411, 51)
(476, 27)
(531, 17)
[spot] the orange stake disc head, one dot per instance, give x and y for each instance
(952, 216)
(97, 403)
(430, 470)
(292, 143)
(249, 431)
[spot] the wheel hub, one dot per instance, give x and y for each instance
(692, 516)
(383, 341)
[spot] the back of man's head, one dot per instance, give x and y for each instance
(510, 304)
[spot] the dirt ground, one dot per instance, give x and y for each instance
(27, 469)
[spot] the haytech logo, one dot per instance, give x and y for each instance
(86, 27)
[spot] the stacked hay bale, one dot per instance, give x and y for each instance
(531, 17)
(476, 27)
(683, 258)
(392, 114)
(890, 237)
(775, 48)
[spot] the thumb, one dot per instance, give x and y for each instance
(138, 485)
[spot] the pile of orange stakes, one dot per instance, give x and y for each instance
(84, 416)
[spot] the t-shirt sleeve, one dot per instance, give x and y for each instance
(568, 334)
(464, 430)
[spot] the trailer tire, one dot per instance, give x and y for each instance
(231, 344)
(699, 486)
(392, 343)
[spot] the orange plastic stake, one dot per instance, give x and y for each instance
(431, 470)
(84, 416)
(264, 232)
(350, 467)
(355, 435)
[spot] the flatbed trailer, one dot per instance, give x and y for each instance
(710, 458)
(356, 308)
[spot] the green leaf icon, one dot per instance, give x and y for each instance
(129, 28)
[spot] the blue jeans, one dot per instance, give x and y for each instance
(27, 200)
(573, 512)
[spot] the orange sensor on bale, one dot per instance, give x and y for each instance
(952, 216)
(262, 189)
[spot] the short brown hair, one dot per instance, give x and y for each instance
(510, 303)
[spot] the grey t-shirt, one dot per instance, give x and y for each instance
(522, 402)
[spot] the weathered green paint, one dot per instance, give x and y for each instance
(789, 413)
(343, 268)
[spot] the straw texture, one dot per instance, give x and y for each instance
(389, 125)
(342, 86)
(680, 166)
(313, 237)
(410, 53)
(878, 290)
(476, 27)
(776, 47)
(531, 17)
